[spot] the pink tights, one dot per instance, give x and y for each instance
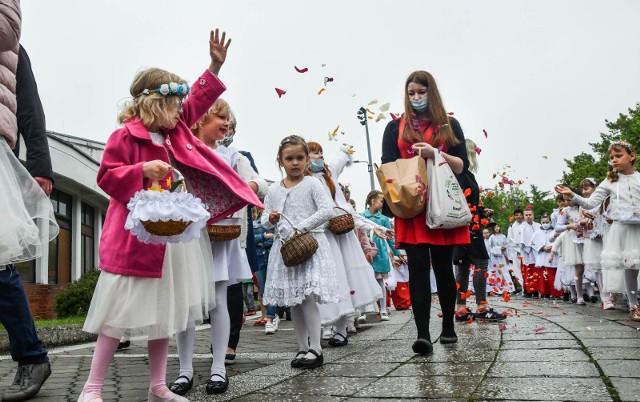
(158, 350)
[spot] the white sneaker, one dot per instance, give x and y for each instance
(384, 317)
(275, 322)
(268, 329)
(362, 319)
(327, 333)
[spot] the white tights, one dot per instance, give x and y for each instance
(631, 286)
(220, 328)
(306, 326)
(383, 299)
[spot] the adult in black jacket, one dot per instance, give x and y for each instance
(426, 126)
(32, 124)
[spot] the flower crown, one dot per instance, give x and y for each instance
(171, 88)
(622, 143)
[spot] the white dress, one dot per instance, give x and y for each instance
(356, 281)
(572, 249)
(230, 261)
(308, 207)
(22, 201)
(156, 308)
(621, 246)
(498, 269)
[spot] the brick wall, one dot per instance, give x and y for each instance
(42, 299)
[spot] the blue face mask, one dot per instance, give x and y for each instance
(317, 165)
(420, 105)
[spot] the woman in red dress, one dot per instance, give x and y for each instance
(425, 126)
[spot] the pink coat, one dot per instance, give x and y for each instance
(120, 176)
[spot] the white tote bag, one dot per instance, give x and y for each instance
(446, 206)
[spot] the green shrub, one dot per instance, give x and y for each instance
(75, 300)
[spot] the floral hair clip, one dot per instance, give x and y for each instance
(621, 143)
(171, 88)
(591, 180)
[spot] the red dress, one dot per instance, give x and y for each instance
(415, 230)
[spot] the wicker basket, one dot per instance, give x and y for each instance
(341, 224)
(299, 248)
(168, 228)
(223, 232)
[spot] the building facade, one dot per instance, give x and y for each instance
(80, 207)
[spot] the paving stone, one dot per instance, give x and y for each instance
(613, 342)
(439, 369)
(615, 353)
(535, 389)
(352, 370)
(527, 355)
(620, 368)
(306, 385)
(627, 388)
(543, 369)
(420, 387)
(542, 344)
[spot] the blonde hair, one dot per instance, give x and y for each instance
(436, 112)
(220, 109)
(472, 155)
(151, 107)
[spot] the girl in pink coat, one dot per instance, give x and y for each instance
(148, 289)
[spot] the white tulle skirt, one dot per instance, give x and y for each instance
(230, 262)
(571, 251)
(22, 201)
(332, 312)
(592, 254)
(620, 251)
(156, 307)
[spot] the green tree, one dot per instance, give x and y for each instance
(625, 127)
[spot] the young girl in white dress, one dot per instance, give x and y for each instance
(572, 247)
(621, 248)
(230, 264)
(499, 276)
(300, 201)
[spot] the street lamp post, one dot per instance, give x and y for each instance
(362, 116)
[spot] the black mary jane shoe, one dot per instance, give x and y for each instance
(295, 363)
(338, 340)
(449, 338)
(422, 346)
(217, 387)
(181, 388)
(312, 363)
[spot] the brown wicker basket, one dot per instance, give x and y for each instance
(223, 232)
(341, 224)
(299, 248)
(168, 228)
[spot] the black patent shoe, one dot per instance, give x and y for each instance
(338, 340)
(181, 388)
(295, 363)
(422, 346)
(449, 338)
(312, 363)
(217, 387)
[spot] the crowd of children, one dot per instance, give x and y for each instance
(332, 279)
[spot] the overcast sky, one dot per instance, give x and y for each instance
(540, 77)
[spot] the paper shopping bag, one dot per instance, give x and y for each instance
(404, 186)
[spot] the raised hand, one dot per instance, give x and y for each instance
(565, 191)
(218, 50)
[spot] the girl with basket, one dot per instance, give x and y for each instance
(145, 288)
(356, 282)
(301, 271)
(424, 127)
(230, 264)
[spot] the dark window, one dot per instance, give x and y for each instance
(87, 235)
(60, 247)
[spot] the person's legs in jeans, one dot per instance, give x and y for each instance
(247, 294)
(480, 282)
(15, 316)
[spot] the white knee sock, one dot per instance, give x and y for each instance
(186, 341)
(631, 285)
(341, 326)
(383, 299)
(300, 327)
(220, 329)
(312, 322)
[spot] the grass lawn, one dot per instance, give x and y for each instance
(56, 322)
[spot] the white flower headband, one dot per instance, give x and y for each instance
(171, 88)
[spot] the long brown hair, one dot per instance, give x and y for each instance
(436, 112)
(315, 147)
(619, 146)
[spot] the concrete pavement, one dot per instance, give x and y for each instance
(547, 351)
